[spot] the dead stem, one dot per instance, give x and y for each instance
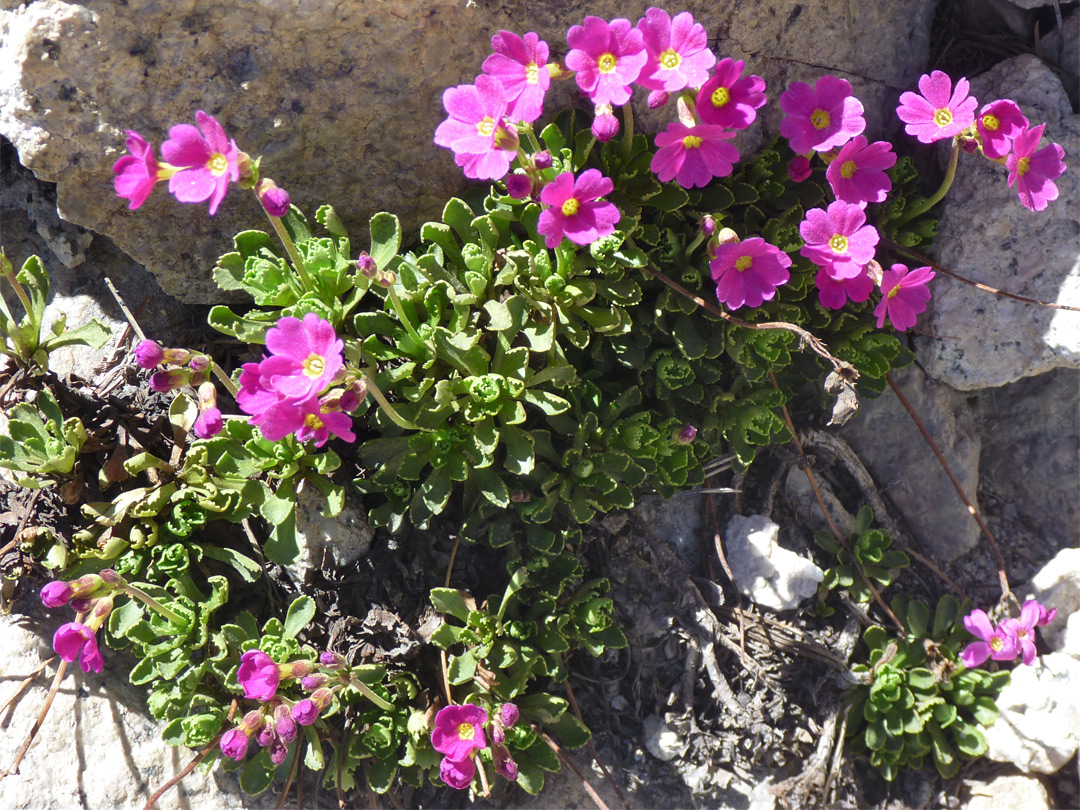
(719, 542)
(570, 764)
(29, 680)
(592, 748)
(292, 775)
(1003, 577)
(442, 653)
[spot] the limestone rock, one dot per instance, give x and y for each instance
(661, 740)
(986, 235)
(342, 99)
(1039, 726)
(903, 465)
(1008, 790)
(772, 576)
(1057, 586)
(327, 542)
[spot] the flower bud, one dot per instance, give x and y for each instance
(149, 354)
(286, 726)
(275, 201)
(109, 577)
(278, 751)
(207, 396)
(542, 160)
(557, 70)
(332, 661)
(684, 435)
(234, 744)
(504, 763)
(506, 137)
(509, 714)
(518, 186)
(81, 605)
(267, 734)
(605, 125)
(387, 278)
(727, 236)
(349, 401)
(708, 225)
(249, 170)
(252, 721)
(170, 379)
(305, 712)
(208, 424)
(200, 363)
(799, 168)
(969, 145)
(657, 99)
(365, 265)
(56, 594)
(312, 682)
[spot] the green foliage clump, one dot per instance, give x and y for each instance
(872, 556)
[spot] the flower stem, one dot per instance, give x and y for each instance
(946, 184)
(290, 248)
(628, 136)
(153, 603)
(223, 378)
(9, 274)
(365, 690)
(405, 322)
(533, 142)
(384, 403)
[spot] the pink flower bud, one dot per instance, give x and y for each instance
(799, 168)
(297, 669)
(208, 424)
(81, 605)
(657, 99)
(605, 125)
(274, 200)
(175, 357)
(148, 354)
(234, 744)
(305, 712)
(278, 751)
(286, 726)
(332, 661)
(169, 380)
(366, 266)
(509, 714)
(351, 397)
(56, 594)
(542, 160)
(200, 362)
(518, 186)
(312, 682)
(685, 435)
(708, 225)
(267, 734)
(504, 763)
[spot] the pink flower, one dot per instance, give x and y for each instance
(504, 763)
(305, 712)
(728, 99)
(57, 594)
(207, 161)
(940, 112)
(799, 168)
(1022, 630)
(1033, 172)
(476, 111)
(319, 424)
(608, 58)
(149, 354)
(995, 643)
(605, 125)
(459, 731)
(838, 239)
(275, 200)
(458, 774)
(234, 743)
(518, 186)
(903, 296)
(857, 174)
(1046, 616)
(748, 272)
(677, 49)
(822, 117)
(998, 124)
(76, 640)
(306, 356)
(693, 155)
(835, 293)
(258, 675)
(573, 210)
(521, 66)
(139, 172)
(208, 424)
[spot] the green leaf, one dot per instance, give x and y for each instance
(183, 412)
(542, 707)
(570, 731)
(462, 668)
(257, 774)
(450, 601)
(921, 678)
(247, 568)
(300, 614)
(671, 198)
(530, 777)
(93, 333)
(385, 238)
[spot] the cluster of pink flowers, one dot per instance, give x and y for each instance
(93, 594)
(289, 390)
(999, 130)
(276, 722)
(181, 368)
(459, 734)
(1006, 640)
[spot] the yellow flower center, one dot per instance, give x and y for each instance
(486, 126)
(720, 97)
(943, 117)
(691, 141)
(990, 122)
(570, 207)
(848, 169)
(532, 73)
(838, 243)
(1022, 166)
(466, 731)
(313, 421)
(218, 164)
(606, 63)
(314, 366)
(743, 263)
(996, 643)
(820, 119)
(670, 59)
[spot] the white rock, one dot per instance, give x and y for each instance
(1057, 585)
(1039, 726)
(769, 574)
(1009, 791)
(334, 542)
(661, 740)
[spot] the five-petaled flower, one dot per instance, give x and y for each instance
(693, 155)
(822, 117)
(76, 640)
(730, 99)
(1023, 629)
(138, 172)
(996, 643)
(258, 675)
(206, 161)
(608, 58)
(459, 731)
(476, 114)
(857, 174)
(520, 64)
(748, 272)
(834, 293)
(574, 211)
(678, 52)
(940, 112)
(998, 124)
(838, 239)
(903, 296)
(1034, 172)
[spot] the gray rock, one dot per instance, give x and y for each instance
(342, 99)
(1057, 586)
(1039, 725)
(772, 576)
(984, 340)
(905, 468)
(327, 542)
(1008, 790)
(661, 740)
(1062, 46)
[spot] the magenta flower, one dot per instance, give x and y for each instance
(1033, 172)
(903, 296)
(998, 124)
(319, 424)
(1023, 629)
(799, 168)
(996, 643)
(208, 424)
(139, 172)
(693, 155)
(748, 272)
(305, 712)
(234, 743)
(459, 731)
(458, 774)
(838, 239)
(835, 293)
(857, 174)
(729, 99)
(573, 210)
(820, 118)
(149, 354)
(677, 50)
(76, 640)
(258, 675)
(305, 357)
(1046, 616)
(605, 125)
(207, 161)
(940, 112)
(521, 66)
(275, 200)
(57, 594)
(476, 111)
(608, 58)
(518, 186)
